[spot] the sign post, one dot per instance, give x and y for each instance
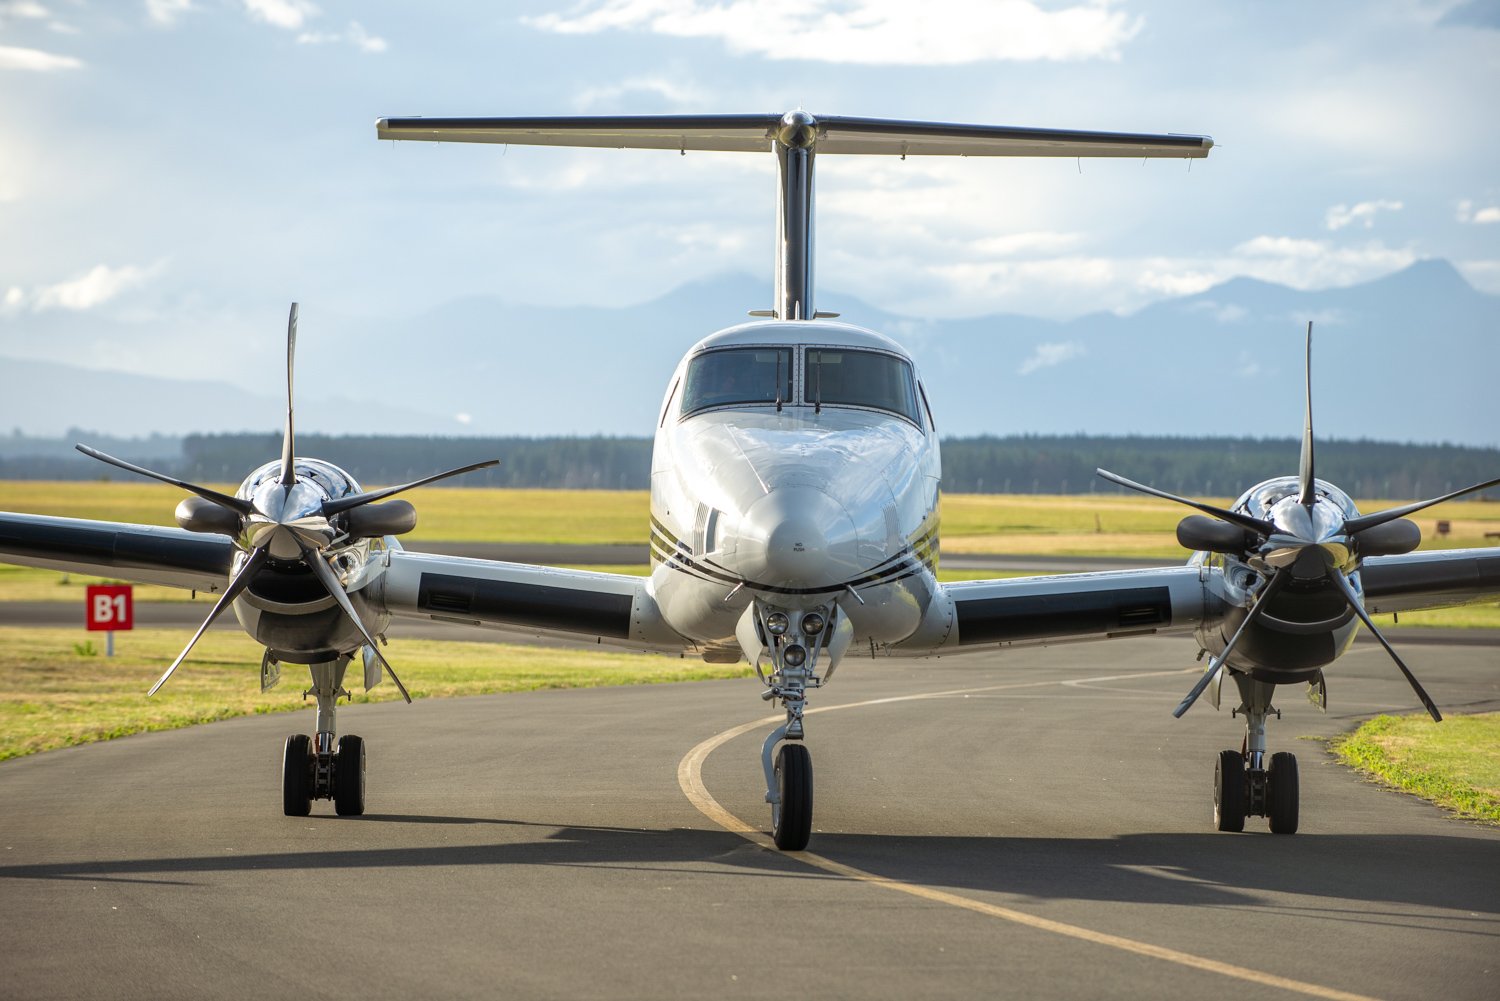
(109, 607)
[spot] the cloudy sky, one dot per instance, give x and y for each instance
(186, 167)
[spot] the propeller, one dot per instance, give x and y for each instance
(288, 519)
(1302, 539)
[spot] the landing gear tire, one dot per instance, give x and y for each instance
(296, 776)
(1281, 795)
(1229, 792)
(791, 819)
(349, 777)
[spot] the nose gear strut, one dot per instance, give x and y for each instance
(792, 640)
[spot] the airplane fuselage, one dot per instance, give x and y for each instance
(796, 464)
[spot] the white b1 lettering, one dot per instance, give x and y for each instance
(119, 605)
(104, 608)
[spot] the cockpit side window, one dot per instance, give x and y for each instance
(738, 375)
(860, 379)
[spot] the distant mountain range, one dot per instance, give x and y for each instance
(1413, 356)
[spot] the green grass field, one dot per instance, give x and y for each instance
(1455, 763)
(54, 693)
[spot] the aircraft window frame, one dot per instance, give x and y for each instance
(811, 395)
(791, 381)
(922, 391)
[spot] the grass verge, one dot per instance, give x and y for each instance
(1455, 764)
(55, 693)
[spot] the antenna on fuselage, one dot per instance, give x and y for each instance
(795, 138)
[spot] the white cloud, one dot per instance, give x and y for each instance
(1483, 275)
(1176, 283)
(1340, 216)
(1047, 355)
(1467, 213)
(673, 92)
(289, 14)
(355, 35)
(166, 12)
(35, 60)
(95, 287)
(876, 32)
(23, 10)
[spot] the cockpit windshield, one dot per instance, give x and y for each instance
(738, 375)
(860, 379)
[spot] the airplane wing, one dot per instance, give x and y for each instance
(1431, 579)
(1079, 606)
(1120, 603)
(612, 608)
(142, 554)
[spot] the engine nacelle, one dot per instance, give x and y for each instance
(396, 517)
(198, 514)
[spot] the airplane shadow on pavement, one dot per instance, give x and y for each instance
(1451, 872)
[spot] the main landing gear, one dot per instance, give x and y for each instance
(319, 768)
(1246, 782)
(792, 640)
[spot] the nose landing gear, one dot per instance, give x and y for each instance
(318, 768)
(792, 639)
(1246, 784)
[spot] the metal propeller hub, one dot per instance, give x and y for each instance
(287, 520)
(1299, 528)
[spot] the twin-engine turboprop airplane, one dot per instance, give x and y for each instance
(794, 516)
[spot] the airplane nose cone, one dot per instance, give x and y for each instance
(796, 536)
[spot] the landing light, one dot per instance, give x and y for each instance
(777, 623)
(795, 655)
(812, 623)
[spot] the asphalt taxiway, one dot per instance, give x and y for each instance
(1023, 823)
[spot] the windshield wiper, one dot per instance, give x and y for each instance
(818, 387)
(778, 382)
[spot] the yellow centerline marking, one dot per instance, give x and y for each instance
(690, 778)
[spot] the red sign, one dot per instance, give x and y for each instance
(109, 607)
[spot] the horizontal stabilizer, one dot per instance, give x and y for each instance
(755, 133)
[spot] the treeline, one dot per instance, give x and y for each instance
(1016, 464)
(1207, 466)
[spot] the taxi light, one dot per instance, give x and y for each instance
(777, 623)
(812, 623)
(795, 655)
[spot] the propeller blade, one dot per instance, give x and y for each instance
(1277, 581)
(1265, 528)
(243, 507)
(1359, 609)
(238, 584)
(333, 507)
(330, 582)
(288, 438)
(1354, 525)
(1305, 466)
